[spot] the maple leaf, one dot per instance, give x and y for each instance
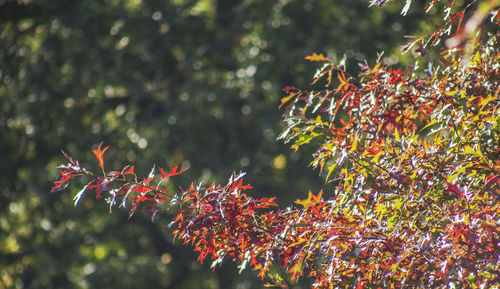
(311, 200)
(316, 57)
(99, 154)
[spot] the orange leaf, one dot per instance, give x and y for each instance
(342, 80)
(99, 154)
(316, 57)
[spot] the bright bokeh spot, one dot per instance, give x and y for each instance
(279, 162)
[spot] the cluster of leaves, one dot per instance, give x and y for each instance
(121, 185)
(413, 161)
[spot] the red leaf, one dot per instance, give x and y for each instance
(173, 172)
(59, 186)
(163, 173)
(129, 171)
(288, 88)
(62, 183)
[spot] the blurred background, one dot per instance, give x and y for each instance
(195, 83)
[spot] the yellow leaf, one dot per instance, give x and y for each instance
(288, 97)
(426, 145)
(354, 144)
(478, 152)
(379, 127)
(396, 135)
(414, 175)
(469, 150)
(375, 159)
(330, 170)
(429, 124)
(451, 178)
(362, 208)
(311, 200)
(376, 68)
(319, 120)
(316, 57)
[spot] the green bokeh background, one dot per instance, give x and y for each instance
(195, 83)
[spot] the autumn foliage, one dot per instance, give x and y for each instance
(412, 157)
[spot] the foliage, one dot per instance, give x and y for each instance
(415, 165)
(188, 82)
(413, 161)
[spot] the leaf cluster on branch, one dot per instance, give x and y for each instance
(412, 158)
